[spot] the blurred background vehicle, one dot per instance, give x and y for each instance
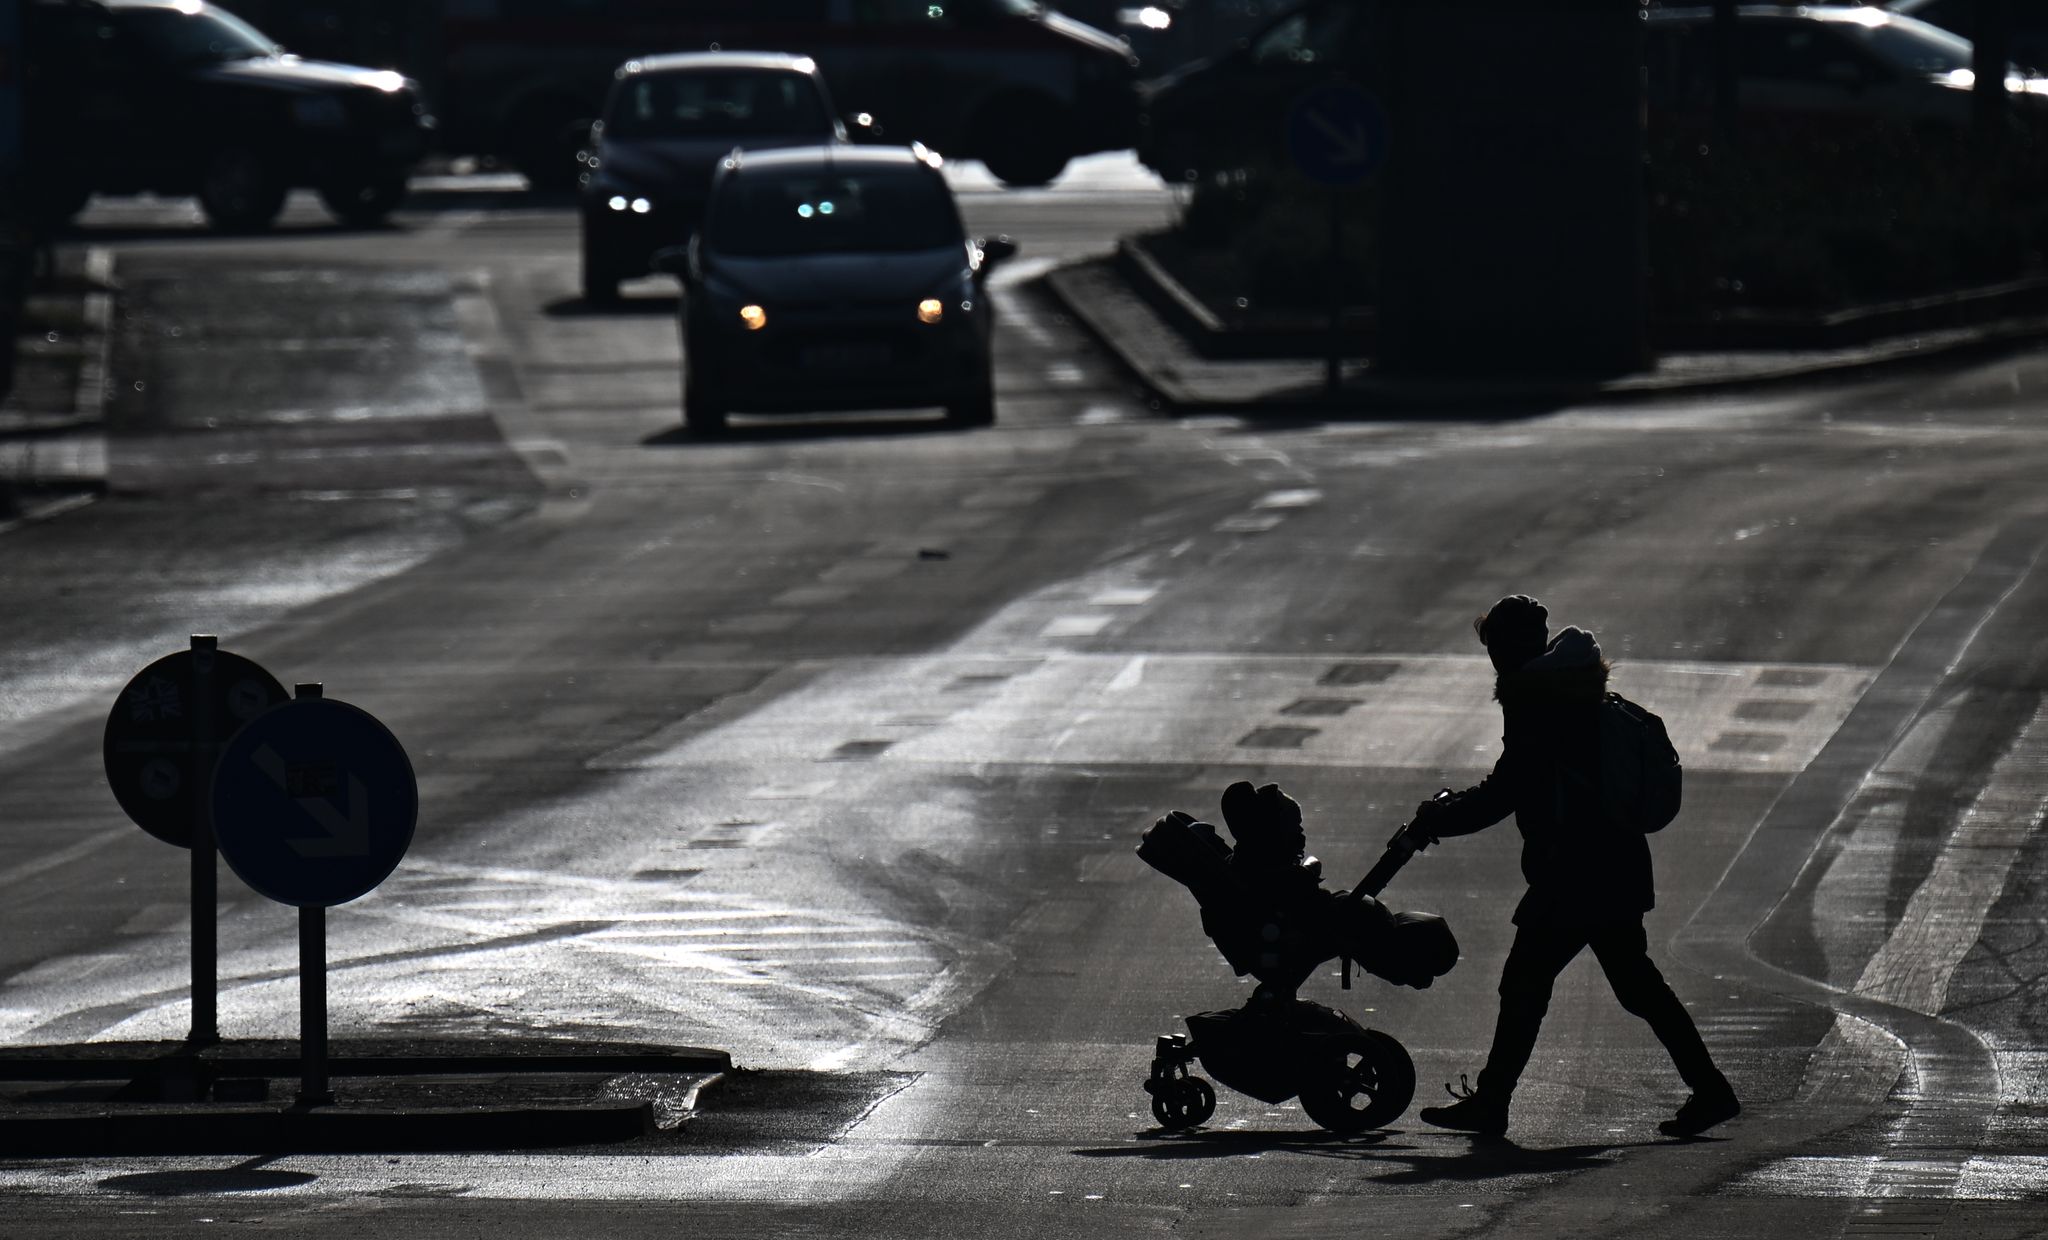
(2029, 33)
(1835, 67)
(1224, 113)
(1165, 34)
(1845, 65)
(1018, 86)
(835, 277)
(181, 97)
(667, 123)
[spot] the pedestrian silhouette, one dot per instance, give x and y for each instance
(1565, 756)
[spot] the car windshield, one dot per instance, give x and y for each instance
(832, 213)
(717, 103)
(189, 33)
(1913, 46)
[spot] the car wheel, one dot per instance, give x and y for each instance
(703, 412)
(600, 278)
(240, 191)
(1023, 141)
(361, 203)
(976, 409)
(53, 205)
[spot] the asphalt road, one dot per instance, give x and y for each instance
(828, 744)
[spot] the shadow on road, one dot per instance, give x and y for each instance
(247, 1177)
(1161, 1145)
(1494, 1158)
(624, 307)
(785, 428)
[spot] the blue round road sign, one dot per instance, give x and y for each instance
(314, 802)
(1336, 134)
(156, 762)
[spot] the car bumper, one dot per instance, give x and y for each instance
(801, 363)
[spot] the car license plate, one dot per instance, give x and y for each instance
(845, 356)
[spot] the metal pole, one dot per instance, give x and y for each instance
(1333, 377)
(313, 1091)
(205, 869)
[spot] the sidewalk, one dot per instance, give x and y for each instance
(1159, 355)
(52, 425)
(106, 1099)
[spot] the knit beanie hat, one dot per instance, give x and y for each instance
(1515, 631)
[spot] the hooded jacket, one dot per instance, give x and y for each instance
(1580, 867)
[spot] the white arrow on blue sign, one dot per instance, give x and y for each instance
(1337, 134)
(314, 802)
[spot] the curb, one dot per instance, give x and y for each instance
(1133, 334)
(66, 452)
(325, 1130)
(161, 1108)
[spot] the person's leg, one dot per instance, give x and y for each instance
(1624, 954)
(1539, 954)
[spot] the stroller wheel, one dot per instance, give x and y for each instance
(1183, 1103)
(1366, 1083)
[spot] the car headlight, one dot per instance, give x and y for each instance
(637, 205)
(318, 112)
(931, 310)
(753, 316)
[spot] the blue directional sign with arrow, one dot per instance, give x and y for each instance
(1337, 134)
(314, 802)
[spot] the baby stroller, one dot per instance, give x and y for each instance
(1264, 906)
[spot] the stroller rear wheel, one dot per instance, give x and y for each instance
(1367, 1082)
(1183, 1102)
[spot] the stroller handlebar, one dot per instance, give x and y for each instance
(1406, 843)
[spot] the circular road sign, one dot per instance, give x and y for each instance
(314, 803)
(154, 761)
(1336, 134)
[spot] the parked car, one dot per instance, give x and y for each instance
(1011, 82)
(181, 97)
(1227, 112)
(834, 277)
(1833, 67)
(668, 122)
(1811, 65)
(2029, 25)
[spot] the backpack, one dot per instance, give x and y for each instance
(1641, 779)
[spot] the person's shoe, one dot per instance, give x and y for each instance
(1474, 1111)
(1702, 1111)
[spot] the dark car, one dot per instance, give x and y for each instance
(834, 277)
(2029, 28)
(668, 122)
(1832, 68)
(1227, 112)
(180, 97)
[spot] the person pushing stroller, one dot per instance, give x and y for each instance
(1588, 871)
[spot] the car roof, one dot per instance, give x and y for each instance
(691, 62)
(827, 157)
(1852, 14)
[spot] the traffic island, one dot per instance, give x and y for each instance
(103, 1100)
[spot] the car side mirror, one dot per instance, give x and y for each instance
(862, 126)
(672, 260)
(996, 250)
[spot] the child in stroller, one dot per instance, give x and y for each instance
(1264, 906)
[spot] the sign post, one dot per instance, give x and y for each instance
(163, 736)
(1337, 135)
(314, 803)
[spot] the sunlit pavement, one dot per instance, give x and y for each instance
(828, 744)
